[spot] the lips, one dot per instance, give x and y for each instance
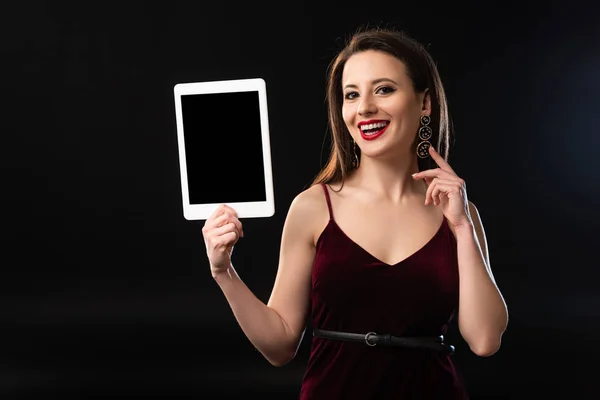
(370, 130)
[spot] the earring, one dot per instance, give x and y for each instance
(355, 160)
(425, 134)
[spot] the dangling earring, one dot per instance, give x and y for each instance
(355, 160)
(425, 134)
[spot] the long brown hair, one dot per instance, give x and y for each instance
(422, 71)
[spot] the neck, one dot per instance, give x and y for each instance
(389, 179)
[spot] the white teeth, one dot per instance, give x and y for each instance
(376, 125)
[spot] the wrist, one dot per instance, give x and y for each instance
(464, 228)
(220, 274)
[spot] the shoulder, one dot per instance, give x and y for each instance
(308, 211)
(309, 198)
(309, 203)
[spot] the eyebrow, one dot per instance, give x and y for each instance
(374, 82)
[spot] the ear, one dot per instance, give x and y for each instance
(426, 103)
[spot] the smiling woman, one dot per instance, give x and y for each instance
(375, 84)
(383, 247)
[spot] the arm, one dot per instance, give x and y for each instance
(276, 328)
(482, 316)
(482, 313)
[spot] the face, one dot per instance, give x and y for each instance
(381, 109)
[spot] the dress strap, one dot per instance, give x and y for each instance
(328, 200)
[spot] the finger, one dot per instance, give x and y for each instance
(229, 209)
(223, 220)
(433, 190)
(233, 217)
(223, 243)
(439, 160)
(430, 189)
(433, 173)
(237, 226)
(437, 194)
(224, 236)
(237, 223)
(222, 208)
(444, 189)
(216, 212)
(217, 221)
(428, 192)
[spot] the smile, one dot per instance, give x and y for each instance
(370, 130)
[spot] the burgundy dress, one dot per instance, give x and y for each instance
(352, 291)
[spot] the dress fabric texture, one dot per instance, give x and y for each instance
(353, 291)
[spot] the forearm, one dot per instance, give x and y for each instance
(482, 314)
(263, 326)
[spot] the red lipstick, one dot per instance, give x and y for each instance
(374, 135)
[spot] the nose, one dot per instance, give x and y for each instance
(366, 106)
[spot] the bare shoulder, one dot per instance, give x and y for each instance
(308, 211)
(308, 199)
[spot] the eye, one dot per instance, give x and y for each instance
(350, 95)
(385, 90)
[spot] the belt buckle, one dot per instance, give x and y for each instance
(368, 336)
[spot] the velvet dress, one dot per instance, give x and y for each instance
(353, 291)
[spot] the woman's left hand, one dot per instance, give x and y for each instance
(447, 189)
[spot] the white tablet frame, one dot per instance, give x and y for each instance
(256, 209)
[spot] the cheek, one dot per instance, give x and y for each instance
(348, 113)
(409, 117)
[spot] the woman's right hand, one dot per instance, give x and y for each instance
(221, 232)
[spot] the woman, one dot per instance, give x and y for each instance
(384, 246)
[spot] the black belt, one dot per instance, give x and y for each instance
(372, 339)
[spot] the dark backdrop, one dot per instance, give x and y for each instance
(106, 290)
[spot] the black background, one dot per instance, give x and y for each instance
(106, 290)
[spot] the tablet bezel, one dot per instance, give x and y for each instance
(255, 209)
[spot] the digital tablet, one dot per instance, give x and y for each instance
(224, 147)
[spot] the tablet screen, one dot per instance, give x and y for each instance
(223, 147)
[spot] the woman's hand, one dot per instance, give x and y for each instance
(221, 232)
(447, 189)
